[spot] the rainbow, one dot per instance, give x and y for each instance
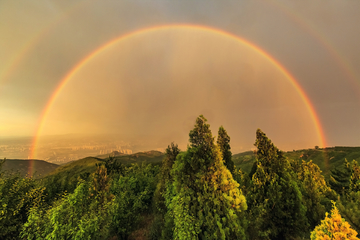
(336, 56)
(14, 63)
(107, 45)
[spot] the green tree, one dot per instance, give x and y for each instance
(314, 190)
(206, 202)
(17, 196)
(354, 185)
(274, 199)
(84, 214)
(134, 191)
(113, 166)
(243, 179)
(349, 203)
(223, 141)
(162, 226)
(340, 178)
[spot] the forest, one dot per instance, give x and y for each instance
(197, 193)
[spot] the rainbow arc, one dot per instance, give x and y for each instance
(81, 64)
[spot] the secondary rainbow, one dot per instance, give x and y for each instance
(93, 54)
(324, 42)
(13, 64)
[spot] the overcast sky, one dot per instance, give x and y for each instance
(154, 83)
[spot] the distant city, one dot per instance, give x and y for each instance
(63, 149)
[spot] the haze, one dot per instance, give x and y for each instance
(152, 85)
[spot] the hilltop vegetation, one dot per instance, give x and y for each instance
(202, 192)
(326, 158)
(40, 168)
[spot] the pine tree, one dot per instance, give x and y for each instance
(274, 199)
(314, 190)
(340, 178)
(164, 177)
(354, 185)
(223, 141)
(163, 224)
(207, 202)
(349, 203)
(334, 227)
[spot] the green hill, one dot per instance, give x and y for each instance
(326, 158)
(112, 154)
(148, 156)
(24, 167)
(66, 177)
(84, 167)
(78, 167)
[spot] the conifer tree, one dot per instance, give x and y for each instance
(274, 199)
(207, 202)
(163, 224)
(314, 190)
(340, 178)
(349, 203)
(354, 185)
(334, 227)
(223, 141)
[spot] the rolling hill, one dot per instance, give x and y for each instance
(326, 158)
(23, 167)
(87, 165)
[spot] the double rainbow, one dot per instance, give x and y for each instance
(109, 44)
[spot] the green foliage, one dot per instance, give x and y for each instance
(114, 166)
(340, 178)
(349, 205)
(84, 214)
(164, 177)
(159, 196)
(66, 178)
(133, 193)
(1, 164)
(314, 191)
(204, 199)
(243, 179)
(17, 196)
(223, 141)
(333, 227)
(40, 168)
(354, 185)
(274, 199)
(326, 158)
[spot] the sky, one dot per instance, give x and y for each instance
(147, 69)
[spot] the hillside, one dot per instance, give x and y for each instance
(112, 154)
(86, 166)
(326, 158)
(78, 167)
(148, 156)
(39, 167)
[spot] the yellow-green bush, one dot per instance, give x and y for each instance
(334, 227)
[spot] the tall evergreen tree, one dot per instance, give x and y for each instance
(163, 224)
(314, 191)
(164, 177)
(223, 141)
(349, 203)
(354, 185)
(274, 199)
(340, 178)
(207, 202)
